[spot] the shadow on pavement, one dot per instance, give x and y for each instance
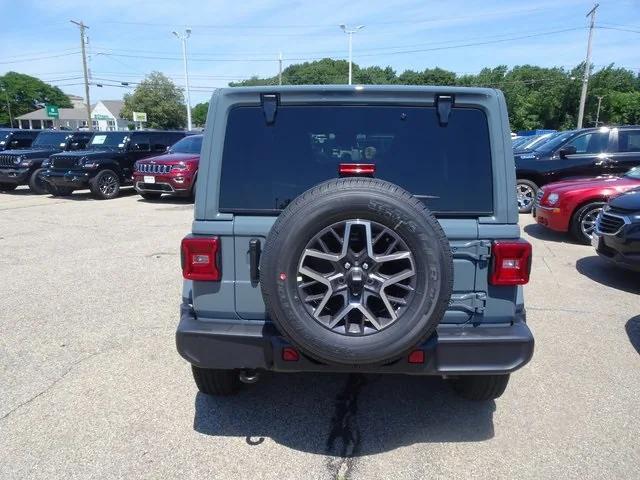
(632, 328)
(82, 195)
(541, 233)
(601, 271)
(345, 415)
(168, 200)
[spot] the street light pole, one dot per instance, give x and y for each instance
(598, 111)
(183, 38)
(350, 32)
(587, 66)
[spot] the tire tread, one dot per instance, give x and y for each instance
(216, 382)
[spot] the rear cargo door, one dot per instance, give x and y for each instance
(269, 162)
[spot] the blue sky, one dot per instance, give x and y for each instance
(233, 40)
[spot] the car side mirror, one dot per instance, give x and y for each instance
(568, 150)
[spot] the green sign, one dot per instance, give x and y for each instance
(99, 116)
(52, 111)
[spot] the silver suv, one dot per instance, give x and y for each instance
(356, 229)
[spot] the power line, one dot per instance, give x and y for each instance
(372, 49)
(618, 29)
(272, 26)
(22, 60)
(311, 58)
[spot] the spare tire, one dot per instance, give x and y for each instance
(356, 271)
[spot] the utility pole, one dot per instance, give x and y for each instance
(350, 32)
(280, 68)
(598, 111)
(587, 66)
(85, 70)
(183, 38)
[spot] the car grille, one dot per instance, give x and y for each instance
(63, 162)
(6, 160)
(539, 196)
(153, 168)
(609, 224)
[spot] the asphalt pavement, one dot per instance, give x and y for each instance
(91, 385)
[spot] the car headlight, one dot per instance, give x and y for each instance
(180, 167)
(553, 198)
(46, 163)
(18, 159)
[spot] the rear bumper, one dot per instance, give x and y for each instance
(18, 176)
(76, 179)
(453, 350)
(552, 218)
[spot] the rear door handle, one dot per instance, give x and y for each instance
(255, 249)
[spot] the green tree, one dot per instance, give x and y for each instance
(24, 92)
(199, 114)
(160, 99)
(620, 108)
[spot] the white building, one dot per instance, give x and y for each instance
(105, 116)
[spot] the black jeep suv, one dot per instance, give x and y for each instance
(12, 138)
(24, 166)
(107, 164)
(588, 152)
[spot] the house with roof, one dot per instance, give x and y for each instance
(105, 116)
(68, 118)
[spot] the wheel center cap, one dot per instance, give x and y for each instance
(356, 278)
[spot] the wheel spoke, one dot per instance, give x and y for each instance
(392, 257)
(323, 245)
(322, 255)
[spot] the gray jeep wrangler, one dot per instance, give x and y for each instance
(356, 229)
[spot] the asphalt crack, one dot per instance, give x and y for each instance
(344, 438)
(50, 386)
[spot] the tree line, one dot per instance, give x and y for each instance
(537, 97)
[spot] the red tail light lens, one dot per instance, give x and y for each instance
(511, 262)
(200, 258)
(417, 356)
(290, 354)
(357, 169)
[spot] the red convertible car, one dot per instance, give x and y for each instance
(573, 205)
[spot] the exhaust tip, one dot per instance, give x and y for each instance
(249, 376)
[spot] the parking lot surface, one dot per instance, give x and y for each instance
(91, 384)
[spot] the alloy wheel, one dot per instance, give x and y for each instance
(525, 196)
(356, 277)
(108, 184)
(588, 222)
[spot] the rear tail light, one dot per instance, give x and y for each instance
(511, 262)
(200, 258)
(357, 169)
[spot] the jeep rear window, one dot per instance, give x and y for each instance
(265, 166)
